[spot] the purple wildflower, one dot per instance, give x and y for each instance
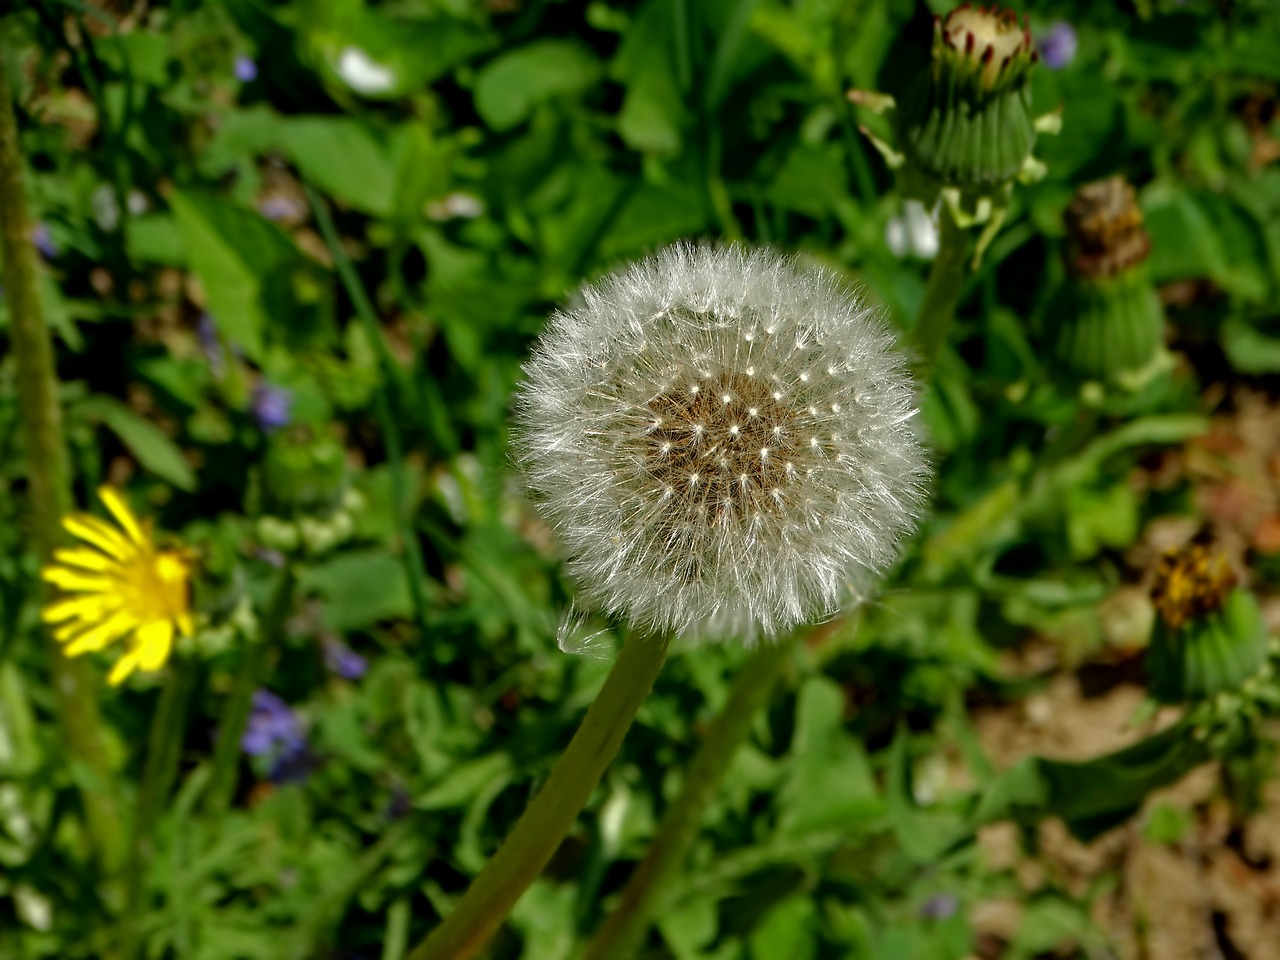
(245, 69)
(44, 242)
(207, 334)
(940, 906)
(1058, 46)
(272, 406)
(342, 660)
(273, 732)
(281, 207)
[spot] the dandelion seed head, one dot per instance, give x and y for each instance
(724, 441)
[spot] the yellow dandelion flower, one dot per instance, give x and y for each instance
(119, 587)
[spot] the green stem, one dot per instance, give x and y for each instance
(538, 833)
(942, 294)
(415, 567)
(164, 749)
(75, 697)
(253, 661)
(623, 932)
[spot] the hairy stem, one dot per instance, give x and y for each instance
(253, 661)
(75, 696)
(164, 749)
(942, 294)
(623, 932)
(536, 836)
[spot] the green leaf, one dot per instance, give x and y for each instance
(464, 782)
(511, 85)
(235, 253)
(789, 930)
(153, 450)
(1092, 796)
(1250, 349)
(362, 588)
(344, 159)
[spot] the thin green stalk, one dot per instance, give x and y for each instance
(164, 749)
(75, 697)
(253, 662)
(624, 930)
(414, 566)
(942, 293)
(537, 835)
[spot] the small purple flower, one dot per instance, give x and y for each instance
(279, 206)
(44, 242)
(940, 906)
(342, 660)
(272, 406)
(207, 334)
(1058, 46)
(273, 732)
(245, 69)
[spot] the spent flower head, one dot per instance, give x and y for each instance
(1210, 636)
(725, 441)
(118, 587)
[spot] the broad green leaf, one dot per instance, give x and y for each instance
(234, 252)
(153, 450)
(361, 589)
(512, 84)
(789, 930)
(343, 158)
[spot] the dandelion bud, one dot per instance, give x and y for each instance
(724, 440)
(1210, 634)
(968, 122)
(1106, 320)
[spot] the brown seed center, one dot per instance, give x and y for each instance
(724, 442)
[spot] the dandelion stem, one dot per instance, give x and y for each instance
(536, 836)
(164, 748)
(623, 931)
(49, 483)
(253, 660)
(942, 293)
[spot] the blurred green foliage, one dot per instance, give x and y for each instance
(479, 160)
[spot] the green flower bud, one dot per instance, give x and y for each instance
(967, 123)
(964, 130)
(1210, 636)
(1106, 322)
(276, 534)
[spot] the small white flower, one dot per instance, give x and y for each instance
(725, 441)
(106, 211)
(362, 73)
(914, 233)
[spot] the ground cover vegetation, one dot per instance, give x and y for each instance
(969, 655)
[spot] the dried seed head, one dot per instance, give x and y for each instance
(724, 440)
(1105, 235)
(1191, 583)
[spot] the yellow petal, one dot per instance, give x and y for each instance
(127, 663)
(82, 608)
(66, 578)
(124, 516)
(153, 643)
(95, 638)
(185, 625)
(100, 534)
(86, 558)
